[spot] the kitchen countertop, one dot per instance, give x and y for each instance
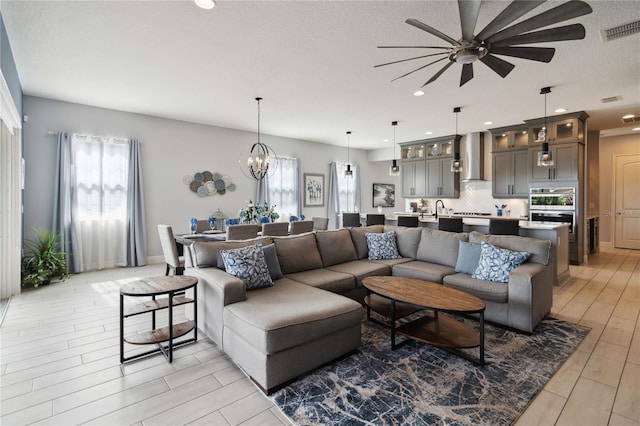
(480, 220)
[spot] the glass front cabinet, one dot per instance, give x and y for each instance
(509, 138)
(565, 128)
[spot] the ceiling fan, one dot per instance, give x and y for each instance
(495, 39)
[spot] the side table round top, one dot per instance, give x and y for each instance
(153, 286)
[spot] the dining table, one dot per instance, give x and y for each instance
(188, 239)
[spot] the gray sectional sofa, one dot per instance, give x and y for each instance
(312, 313)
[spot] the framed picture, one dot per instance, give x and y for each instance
(313, 190)
(384, 195)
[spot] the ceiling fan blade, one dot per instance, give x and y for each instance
(566, 32)
(469, 10)
(515, 10)
(414, 47)
(432, 31)
(540, 54)
(418, 69)
(439, 73)
(499, 66)
(467, 73)
(411, 59)
(565, 11)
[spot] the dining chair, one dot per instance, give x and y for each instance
(350, 220)
(201, 226)
(301, 226)
(275, 228)
(320, 223)
(170, 250)
(504, 226)
(242, 232)
(375, 219)
(408, 221)
(451, 224)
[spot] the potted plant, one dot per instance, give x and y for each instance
(43, 259)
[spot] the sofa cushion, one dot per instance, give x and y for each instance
(440, 246)
(335, 246)
(468, 257)
(540, 250)
(496, 263)
(408, 240)
(360, 241)
(485, 290)
(389, 262)
(207, 253)
(248, 264)
(422, 271)
(382, 245)
(325, 279)
(298, 253)
(289, 314)
(361, 269)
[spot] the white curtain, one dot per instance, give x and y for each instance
(284, 187)
(344, 192)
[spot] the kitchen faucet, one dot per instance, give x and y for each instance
(441, 202)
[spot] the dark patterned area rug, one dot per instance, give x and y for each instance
(418, 384)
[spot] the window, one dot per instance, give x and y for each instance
(348, 189)
(284, 188)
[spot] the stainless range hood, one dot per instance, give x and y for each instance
(472, 156)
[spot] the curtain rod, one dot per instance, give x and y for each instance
(52, 133)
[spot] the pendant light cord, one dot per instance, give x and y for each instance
(258, 99)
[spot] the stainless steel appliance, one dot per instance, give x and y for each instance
(556, 205)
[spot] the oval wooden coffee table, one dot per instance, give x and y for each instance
(438, 330)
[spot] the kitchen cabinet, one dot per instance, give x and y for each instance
(413, 178)
(560, 129)
(440, 180)
(566, 163)
(441, 147)
(509, 175)
(413, 151)
(508, 138)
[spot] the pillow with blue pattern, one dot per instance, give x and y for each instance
(382, 245)
(496, 263)
(249, 264)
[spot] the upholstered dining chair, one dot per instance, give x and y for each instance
(408, 221)
(275, 228)
(504, 226)
(350, 219)
(242, 232)
(170, 250)
(320, 223)
(301, 226)
(201, 226)
(375, 219)
(451, 224)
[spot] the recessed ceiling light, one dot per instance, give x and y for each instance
(487, 123)
(418, 93)
(428, 133)
(636, 129)
(385, 140)
(625, 117)
(205, 4)
(561, 110)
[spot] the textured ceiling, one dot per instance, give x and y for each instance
(312, 62)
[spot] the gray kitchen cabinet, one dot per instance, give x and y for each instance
(509, 175)
(566, 159)
(441, 181)
(508, 138)
(564, 128)
(413, 178)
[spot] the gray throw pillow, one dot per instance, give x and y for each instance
(468, 257)
(271, 257)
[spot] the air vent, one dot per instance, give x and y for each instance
(631, 120)
(620, 31)
(610, 99)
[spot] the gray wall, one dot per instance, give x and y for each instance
(8, 67)
(170, 150)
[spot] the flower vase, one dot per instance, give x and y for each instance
(499, 212)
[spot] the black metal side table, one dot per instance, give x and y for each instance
(173, 287)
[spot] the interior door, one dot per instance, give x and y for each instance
(627, 202)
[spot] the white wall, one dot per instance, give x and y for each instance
(170, 150)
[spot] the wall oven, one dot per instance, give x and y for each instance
(555, 205)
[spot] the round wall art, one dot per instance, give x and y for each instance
(206, 184)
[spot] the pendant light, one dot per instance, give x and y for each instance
(545, 158)
(456, 163)
(348, 172)
(394, 169)
(259, 157)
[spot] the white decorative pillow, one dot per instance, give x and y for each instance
(248, 264)
(382, 245)
(496, 263)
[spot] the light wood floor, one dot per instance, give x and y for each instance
(59, 359)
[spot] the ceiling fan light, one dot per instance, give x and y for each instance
(467, 56)
(205, 4)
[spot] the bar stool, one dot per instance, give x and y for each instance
(350, 219)
(408, 221)
(504, 226)
(451, 224)
(375, 219)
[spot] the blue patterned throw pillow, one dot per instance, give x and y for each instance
(248, 264)
(496, 263)
(382, 245)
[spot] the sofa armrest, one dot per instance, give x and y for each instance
(530, 295)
